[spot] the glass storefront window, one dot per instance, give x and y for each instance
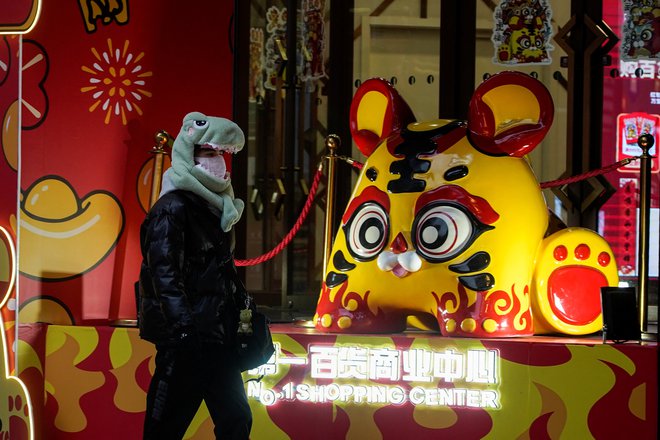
(286, 130)
(631, 107)
(400, 40)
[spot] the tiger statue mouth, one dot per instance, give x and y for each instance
(400, 264)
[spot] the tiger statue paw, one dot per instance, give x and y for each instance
(571, 267)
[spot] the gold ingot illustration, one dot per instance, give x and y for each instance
(10, 135)
(7, 266)
(63, 236)
(145, 179)
(49, 310)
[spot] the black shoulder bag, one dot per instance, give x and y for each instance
(254, 341)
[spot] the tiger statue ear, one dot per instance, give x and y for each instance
(377, 110)
(510, 113)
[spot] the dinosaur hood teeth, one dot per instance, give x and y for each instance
(231, 149)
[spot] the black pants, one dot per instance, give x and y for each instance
(182, 379)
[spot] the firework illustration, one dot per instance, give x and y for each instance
(117, 82)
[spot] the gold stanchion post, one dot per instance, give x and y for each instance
(162, 138)
(332, 142)
(645, 142)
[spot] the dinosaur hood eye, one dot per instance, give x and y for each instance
(200, 124)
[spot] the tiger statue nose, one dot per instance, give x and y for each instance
(399, 259)
(399, 244)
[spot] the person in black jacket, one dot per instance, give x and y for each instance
(190, 294)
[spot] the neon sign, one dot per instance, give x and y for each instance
(19, 16)
(14, 393)
(383, 376)
(647, 69)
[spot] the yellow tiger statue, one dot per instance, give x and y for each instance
(446, 226)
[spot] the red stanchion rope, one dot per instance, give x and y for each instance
(588, 174)
(294, 230)
(358, 165)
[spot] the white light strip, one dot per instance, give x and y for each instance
(34, 23)
(5, 352)
(473, 373)
(292, 361)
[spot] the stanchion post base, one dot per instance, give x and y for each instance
(649, 337)
(124, 323)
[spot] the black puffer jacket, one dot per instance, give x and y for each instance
(188, 281)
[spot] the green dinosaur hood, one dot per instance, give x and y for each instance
(210, 132)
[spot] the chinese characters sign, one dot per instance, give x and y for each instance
(644, 69)
(382, 376)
